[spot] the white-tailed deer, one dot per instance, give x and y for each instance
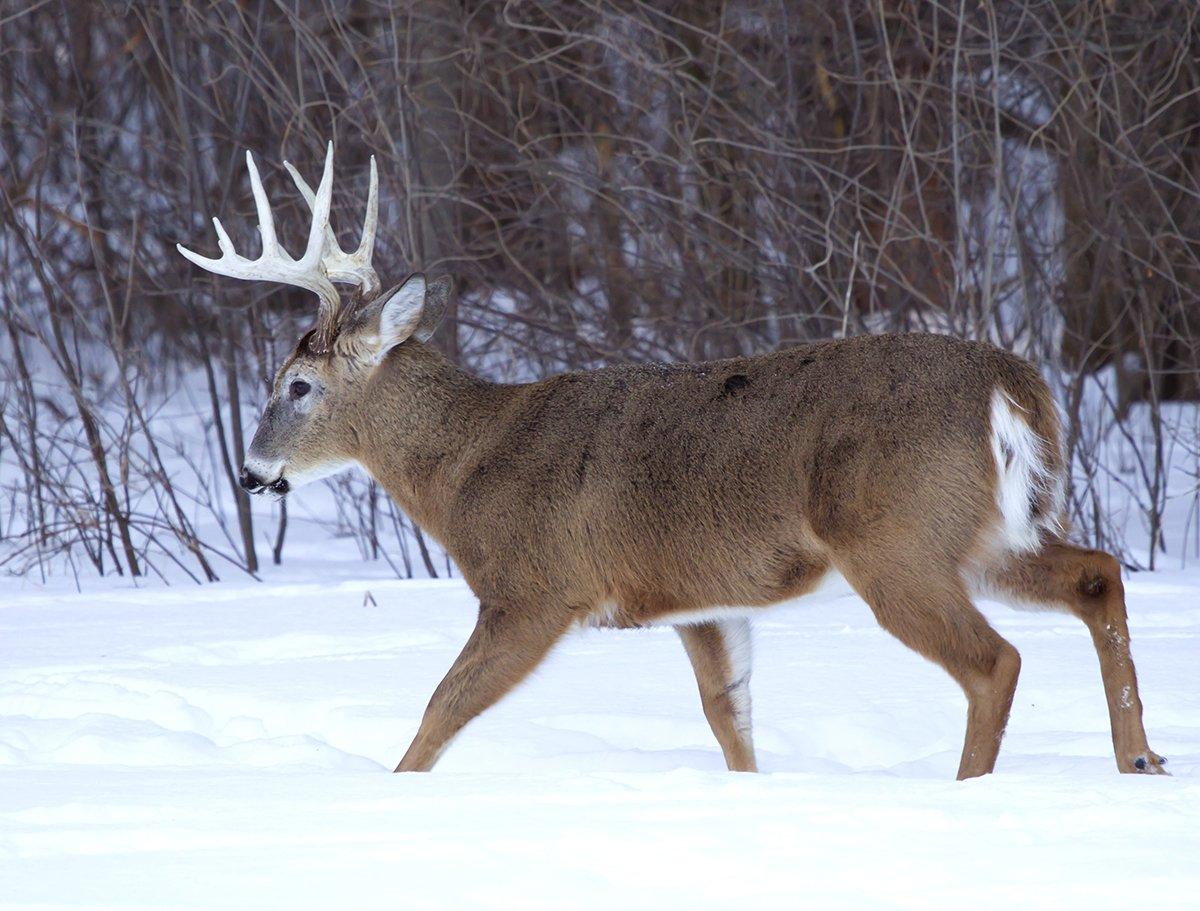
(924, 468)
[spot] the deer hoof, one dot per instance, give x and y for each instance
(1150, 764)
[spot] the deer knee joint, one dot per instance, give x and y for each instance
(1097, 588)
(1008, 664)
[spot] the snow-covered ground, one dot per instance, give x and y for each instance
(227, 747)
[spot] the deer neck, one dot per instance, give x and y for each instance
(422, 419)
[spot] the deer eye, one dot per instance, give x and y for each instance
(298, 389)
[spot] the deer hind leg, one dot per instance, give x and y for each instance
(930, 612)
(720, 656)
(504, 647)
(1088, 584)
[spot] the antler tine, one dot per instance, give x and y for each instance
(275, 263)
(366, 246)
(266, 223)
(319, 229)
(348, 268)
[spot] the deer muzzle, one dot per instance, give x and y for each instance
(255, 483)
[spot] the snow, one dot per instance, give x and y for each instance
(228, 746)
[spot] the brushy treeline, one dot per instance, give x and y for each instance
(606, 181)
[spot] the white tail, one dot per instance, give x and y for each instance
(1023, 479)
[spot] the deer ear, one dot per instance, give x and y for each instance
(411, 310)
(401, 312)
(437, 299)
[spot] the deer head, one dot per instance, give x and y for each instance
(304, 434)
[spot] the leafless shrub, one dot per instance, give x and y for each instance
(606, 181)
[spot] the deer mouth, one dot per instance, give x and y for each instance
(251, 483)
(276, 489)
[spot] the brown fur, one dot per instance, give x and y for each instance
(634, 494)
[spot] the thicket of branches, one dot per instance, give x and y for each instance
(606, 181)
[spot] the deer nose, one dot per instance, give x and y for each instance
(249, 480)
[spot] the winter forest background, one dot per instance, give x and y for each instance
(605, 182)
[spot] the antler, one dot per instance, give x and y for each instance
(349, 268)
(323, 261)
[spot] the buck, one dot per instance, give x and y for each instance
(926, 470)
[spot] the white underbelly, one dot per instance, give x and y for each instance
(609, 613)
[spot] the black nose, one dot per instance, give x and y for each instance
(249, 480)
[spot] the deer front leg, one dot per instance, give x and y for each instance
(506, 644)
(720, 655)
